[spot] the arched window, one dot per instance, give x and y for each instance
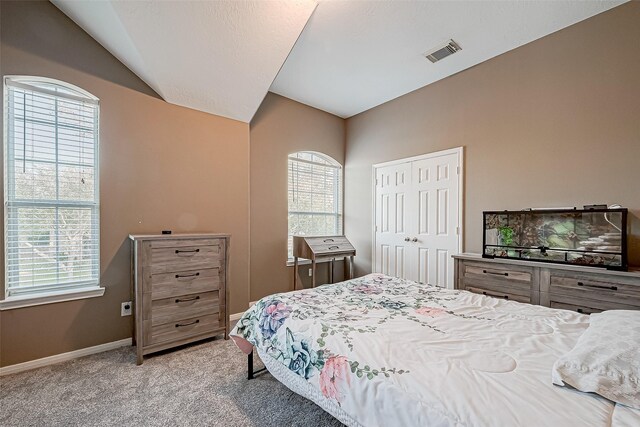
(315, 195)
(52, 201)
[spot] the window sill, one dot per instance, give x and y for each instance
(22, 301)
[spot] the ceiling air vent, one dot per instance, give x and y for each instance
(439, 53)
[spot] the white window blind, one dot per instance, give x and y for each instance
(315, 196)
(51, 197)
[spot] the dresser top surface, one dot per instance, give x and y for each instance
(179, 236)
(633, 271)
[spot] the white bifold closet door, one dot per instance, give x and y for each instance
(417, 215)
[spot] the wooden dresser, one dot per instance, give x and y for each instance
(582, 289)
(179, 289)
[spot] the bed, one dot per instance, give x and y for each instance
(382, 351)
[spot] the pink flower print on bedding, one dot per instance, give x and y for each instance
(273, 316)
(431, 311)
(334, 377)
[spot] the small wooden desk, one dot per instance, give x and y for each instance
(322, 248)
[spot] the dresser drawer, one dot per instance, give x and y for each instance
(328, 240)
(576, 308)
(594, 287)
(165, 285)
(523, 290)
(585, 305)
(179, 243)
(331, 248)
(498, 273)
(499, 294)
(497, 278)
(183, 307)
(181, 257)
(182, 329)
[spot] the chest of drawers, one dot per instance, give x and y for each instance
(583, 289)
(179, 289)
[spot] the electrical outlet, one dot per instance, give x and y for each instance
(125, 309)
(309, 272)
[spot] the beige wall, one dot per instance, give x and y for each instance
(280, 127)
(553, 123)
(162, 167)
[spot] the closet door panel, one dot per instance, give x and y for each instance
(435, 189)
(393, 210)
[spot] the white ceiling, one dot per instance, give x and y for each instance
(353, 56)
(222, 56)
(214, 56)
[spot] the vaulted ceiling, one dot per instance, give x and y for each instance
(346, 57)
(353, 56)
(214, 56)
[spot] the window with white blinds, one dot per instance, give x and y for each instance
(315, 196)
(51, 198)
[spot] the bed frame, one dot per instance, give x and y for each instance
(250, 371)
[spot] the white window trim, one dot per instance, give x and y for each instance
(49, 296)
(22, 301)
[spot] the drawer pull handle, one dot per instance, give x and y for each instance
(334, 247)
(187, 299)
(495, 295)
(181, 276)
(495, 273)
(613, 288)
(187, 324)
(181, 251)
(328, 240)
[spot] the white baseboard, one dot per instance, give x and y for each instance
(57, 358)
(236, 316)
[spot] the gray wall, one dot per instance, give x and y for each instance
(553, 123)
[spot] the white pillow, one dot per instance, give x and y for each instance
(606, 358)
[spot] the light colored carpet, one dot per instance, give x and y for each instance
(200, 385)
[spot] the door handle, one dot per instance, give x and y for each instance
(415, 239)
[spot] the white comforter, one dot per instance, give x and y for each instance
(380, 351)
